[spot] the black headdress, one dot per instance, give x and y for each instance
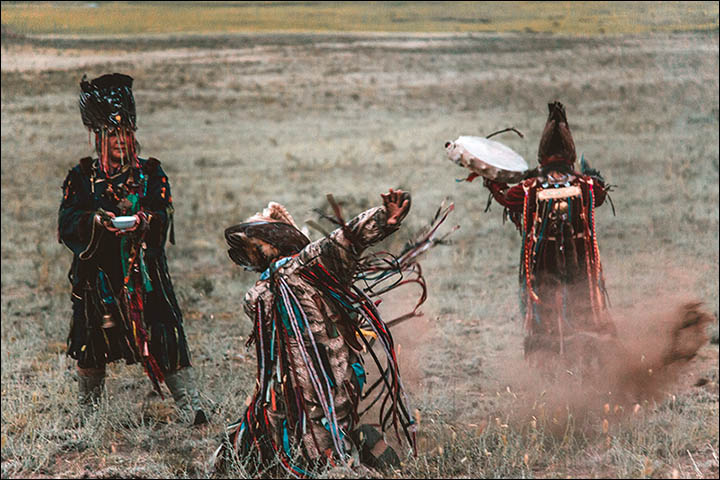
(107, 101)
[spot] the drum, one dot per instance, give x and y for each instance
(487, 158)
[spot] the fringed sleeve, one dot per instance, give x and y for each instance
(76, 227)
(340, 251)
(158, 203)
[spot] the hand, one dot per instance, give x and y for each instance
(397, 204)
(105, 221)
(141, 221)
(129, 229)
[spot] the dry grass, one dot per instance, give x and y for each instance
(238, 120)
(173, 17)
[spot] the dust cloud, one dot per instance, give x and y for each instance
(605, 377)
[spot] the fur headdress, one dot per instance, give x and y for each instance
(263, 237)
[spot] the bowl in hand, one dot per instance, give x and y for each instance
(123, 222)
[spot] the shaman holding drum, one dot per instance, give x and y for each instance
(561, 278)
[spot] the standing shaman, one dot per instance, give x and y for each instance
(115, 216)
(307, 317)
(561, 277)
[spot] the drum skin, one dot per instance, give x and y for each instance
(487, 158)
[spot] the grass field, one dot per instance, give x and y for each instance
(239, 119)
(182, 17)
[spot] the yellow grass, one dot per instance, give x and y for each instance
(576, 18)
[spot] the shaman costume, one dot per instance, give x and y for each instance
(124, 306)
(311, 324)
(561, 277)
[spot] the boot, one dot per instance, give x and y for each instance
(91, 382)
(374, 452)
(185, 394)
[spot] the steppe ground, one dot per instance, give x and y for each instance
(241, 119)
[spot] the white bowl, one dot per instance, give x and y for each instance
(123, 222)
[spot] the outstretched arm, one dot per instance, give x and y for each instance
(340, 251)
(511, 198)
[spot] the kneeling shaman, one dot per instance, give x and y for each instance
(307, 316)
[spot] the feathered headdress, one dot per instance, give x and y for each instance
(107, 101)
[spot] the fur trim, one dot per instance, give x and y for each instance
(274, 212)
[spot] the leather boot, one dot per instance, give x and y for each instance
(91, 382)
(182, 386)
(374, 452)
